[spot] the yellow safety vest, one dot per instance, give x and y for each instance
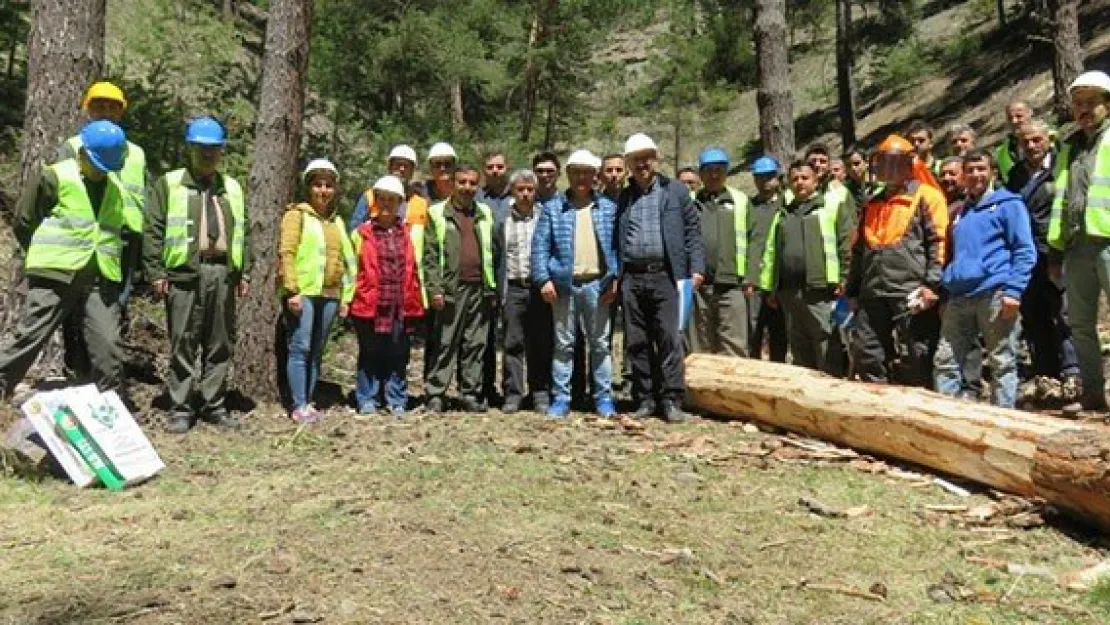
(178, 240)
(740, 206)
(1097, 213)
(826, 220)
(311, 261)
(484, 227)
(132, 179)
(73, 232)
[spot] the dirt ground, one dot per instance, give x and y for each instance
(513, 519)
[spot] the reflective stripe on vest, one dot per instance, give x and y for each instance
(73, 233)
(312, 256)
(483, 222)
(740, 208)
(178, 239)
(1096, 216)
(416, 235)
(132, 179)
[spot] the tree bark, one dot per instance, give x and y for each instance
(773, 97)
(1063, 462)
(845, 98)
(458, 109)
(272, 185)
(65, 53)
(1002, 12)
(532, 72)
(1067, 57)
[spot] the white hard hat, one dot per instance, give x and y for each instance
(442, 150)
(320, 164)
(403, 152)
(583, 158)
(1094, 80)
(639, 142)
(390, 184)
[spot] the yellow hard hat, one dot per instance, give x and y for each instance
(103, 91)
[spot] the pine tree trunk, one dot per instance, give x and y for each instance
(458, 109)
(845, 99)
(1067, 57)
(1002, 12)
(531, 74)
(549, 127)
(774, 99)
(65, 53)
(272, 185)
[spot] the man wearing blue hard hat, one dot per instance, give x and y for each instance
(769, 320)
(70, 223)
(197, 255)
(720, 307)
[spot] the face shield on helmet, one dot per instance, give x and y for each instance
(892, 162)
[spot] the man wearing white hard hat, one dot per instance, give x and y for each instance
(316, 270)
(442, 161)
(658, 240)
(574, 263)
(1079, 225)
(414, 207)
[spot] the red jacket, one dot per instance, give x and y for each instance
(365, 302)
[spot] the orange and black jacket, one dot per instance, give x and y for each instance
(901, 243)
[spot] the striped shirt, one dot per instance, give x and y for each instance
(518, 242)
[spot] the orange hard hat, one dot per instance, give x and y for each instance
(895, 145)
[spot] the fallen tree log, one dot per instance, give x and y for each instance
(1064, 462)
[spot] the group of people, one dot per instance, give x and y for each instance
(888, 265)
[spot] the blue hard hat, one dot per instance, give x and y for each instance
(105, 145)
(205, 131)
(766, 165)
(713, 156)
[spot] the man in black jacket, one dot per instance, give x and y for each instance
(658, 241)
(1043, 313)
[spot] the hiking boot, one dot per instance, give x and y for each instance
(434, 405)
(512, 405)
(179, 423)
(223, 419)
(672, 413)
(645, 410)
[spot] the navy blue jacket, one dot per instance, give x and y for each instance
(682, 242)
(553, 241)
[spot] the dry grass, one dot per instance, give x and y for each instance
(467, 519)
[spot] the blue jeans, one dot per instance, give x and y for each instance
(308, 332)
(1087, 271)
(383, 361)
(580, 306)
(962, 321)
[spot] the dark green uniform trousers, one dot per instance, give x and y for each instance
(201, 316)
(720, 321)
(463, 331)
(49, 302)
(809, 328)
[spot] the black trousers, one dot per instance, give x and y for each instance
(653, 343)
(894, 346)
(529, 339)
(1044, 320)
(770, 325)
(489, 357)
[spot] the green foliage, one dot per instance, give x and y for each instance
(904, 66)
(1099, 598)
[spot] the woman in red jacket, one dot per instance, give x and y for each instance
(387, 294)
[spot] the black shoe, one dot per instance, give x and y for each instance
(511, 406)
(179, 423)
(434, 405)
(475, 405)
(222, 419)
(672, 413)
(646, 409)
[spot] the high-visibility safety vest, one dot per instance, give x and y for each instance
(132, 179)
(826, 221)
(740, 207)
(177, 242)
(311, 261)
(1004, 160)
(1096, 217)
(74, 233)
(484, 227)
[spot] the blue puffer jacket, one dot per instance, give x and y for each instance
(992, 248)
(553, 242)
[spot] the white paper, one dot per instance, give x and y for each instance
(109, 424)
(685, 303)
(39, 410)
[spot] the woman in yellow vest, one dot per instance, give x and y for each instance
(317, 265)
